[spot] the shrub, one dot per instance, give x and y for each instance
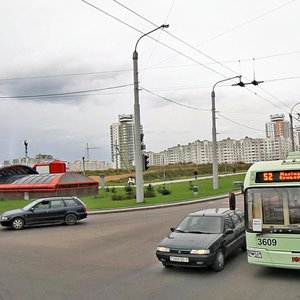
(126, 196)
(163, 190)
(117, 197)
(149, 193)
(128, 189)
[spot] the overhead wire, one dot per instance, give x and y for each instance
(200, 109)
(175, 37)
(64, 93)
(157, 40)
(217, 62)
(237, 123)
(69, 93)
(166, 21)
(192, 47)
(248, 21)
(175, 102)
(156, 68)
(240, 25)
(165, 45)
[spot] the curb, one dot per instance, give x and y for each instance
(158, 206)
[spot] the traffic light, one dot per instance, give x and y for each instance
(145, 162)
(143, 146)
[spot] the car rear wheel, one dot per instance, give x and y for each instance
(17, 223)
(70, 219)
(219, 261)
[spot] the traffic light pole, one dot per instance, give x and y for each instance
(137, 124)
(139, 180)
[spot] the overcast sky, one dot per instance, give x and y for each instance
(65, 46)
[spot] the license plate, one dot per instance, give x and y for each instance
(179, 259)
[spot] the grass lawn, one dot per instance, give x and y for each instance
(179, 191)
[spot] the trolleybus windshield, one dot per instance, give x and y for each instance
(273, 208)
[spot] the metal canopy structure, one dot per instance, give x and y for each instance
(17, 170)
(17, 180)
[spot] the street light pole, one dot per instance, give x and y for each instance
(292, 126)
(214, 133)
(137, 124)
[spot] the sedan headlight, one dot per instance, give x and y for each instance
(3, 218)
(162, 249)
(200, 251)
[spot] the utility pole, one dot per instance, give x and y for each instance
(292, 131)
(26, 152)
(83, 165)
(214, 133)
(292, 126)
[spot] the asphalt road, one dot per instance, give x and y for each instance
(112, 257)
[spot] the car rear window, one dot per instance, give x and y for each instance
(71, 202)
(57, 204)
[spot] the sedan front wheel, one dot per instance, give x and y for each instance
(17, 223)
(219, 261)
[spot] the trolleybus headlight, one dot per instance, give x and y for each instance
(254, 254)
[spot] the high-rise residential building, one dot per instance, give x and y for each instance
(122, 142)
(248, 150)
(277, 127)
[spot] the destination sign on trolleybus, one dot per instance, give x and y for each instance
(277, 176)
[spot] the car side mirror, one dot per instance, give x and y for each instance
(31, 209)
(232, 201)
(172, 229)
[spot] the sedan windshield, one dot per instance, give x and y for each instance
(31, 204)
(200, 224)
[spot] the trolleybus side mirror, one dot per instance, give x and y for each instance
(232, 201)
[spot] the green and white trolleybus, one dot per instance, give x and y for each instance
(272, 213)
